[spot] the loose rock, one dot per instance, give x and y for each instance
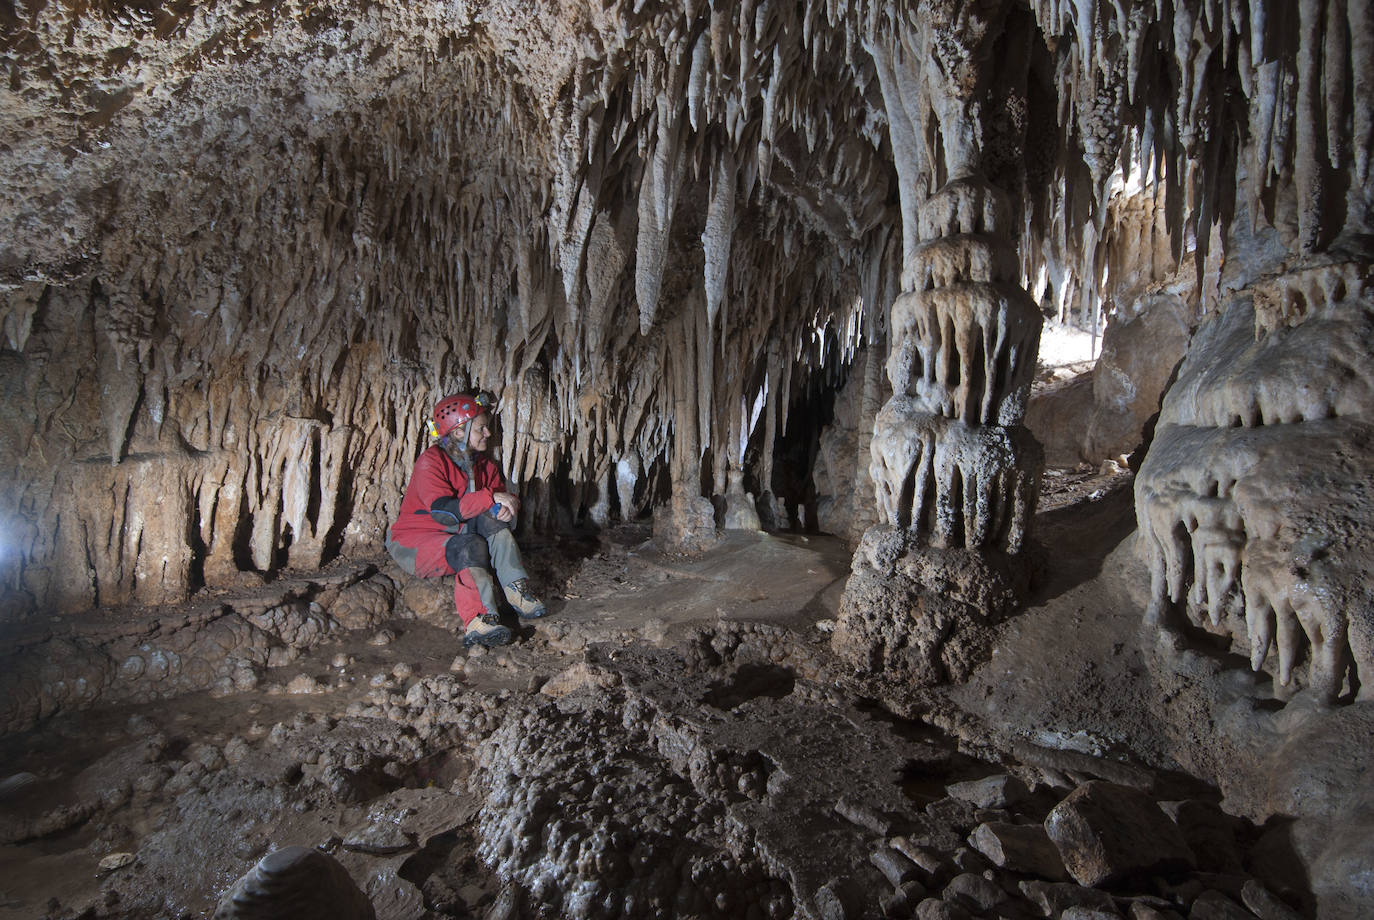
(997, 791)
(1213, 905)
(1021, 848)
(1266, 905)
(295, 882)
(1106, 833)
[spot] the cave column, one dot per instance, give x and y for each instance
(690, 525)
(952, 463)
(955, 471)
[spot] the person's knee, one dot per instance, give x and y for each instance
(465, 551)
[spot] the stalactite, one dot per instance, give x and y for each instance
(467, 220)
(718, 233)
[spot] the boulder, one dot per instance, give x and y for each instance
(1150, 909)
(1210, 832)
(1089, 913)
(1056, 416)
(974, 893)
(1107, 833)
(1265, 904)
(1213, 905)
(298, 883)
(935, 909)
(1140, 349)
(894, 866)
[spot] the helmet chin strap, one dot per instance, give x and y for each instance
(467, 436)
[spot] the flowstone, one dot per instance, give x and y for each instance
(1255, 499)
(115, 656)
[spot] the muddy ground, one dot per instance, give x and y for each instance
(674, 739)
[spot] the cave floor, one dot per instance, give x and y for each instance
(705, 680)
(608, 591)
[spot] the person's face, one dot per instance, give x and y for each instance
(480, 433)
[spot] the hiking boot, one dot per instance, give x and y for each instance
(485, 630)
(527, 605)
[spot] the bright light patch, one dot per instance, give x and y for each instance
(1061, 345)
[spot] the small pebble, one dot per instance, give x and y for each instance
(342, 660)
(383, 637)
(303, 683)
(236, 750)
(402, 670)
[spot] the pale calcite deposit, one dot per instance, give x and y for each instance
(951, 462)
(1253, 495)
(282, 235)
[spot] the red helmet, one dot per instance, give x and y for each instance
(452, 411)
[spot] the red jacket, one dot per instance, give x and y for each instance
(438, 499)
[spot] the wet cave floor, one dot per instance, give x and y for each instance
(674, 739)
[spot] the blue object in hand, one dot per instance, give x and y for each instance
(495, 509)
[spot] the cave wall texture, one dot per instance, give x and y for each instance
(248, 245)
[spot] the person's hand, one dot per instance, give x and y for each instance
(510, 506)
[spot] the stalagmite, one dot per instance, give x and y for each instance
(955, 472)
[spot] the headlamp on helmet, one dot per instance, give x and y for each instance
(453, 411)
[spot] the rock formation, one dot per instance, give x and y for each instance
(952, 466)
(296, 882)
(260, 267)
(266, 270)
(1250, 492)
